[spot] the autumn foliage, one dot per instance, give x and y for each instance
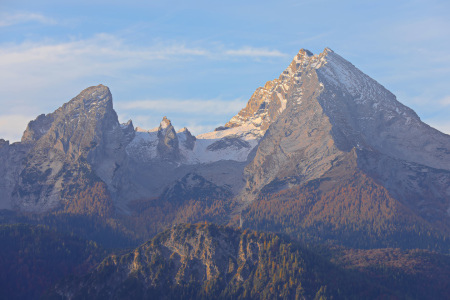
(151, 216)
(357, 212)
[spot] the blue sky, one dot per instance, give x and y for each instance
(198, 62)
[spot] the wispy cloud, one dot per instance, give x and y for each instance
(194, 124)
(103, 54)
(199, 116)
(445, 101)
(48, 64)
(99, 59)
(24, 17)
(197, 123)
(43, 74)
(193, 106)
(100, 47)
(254, 52)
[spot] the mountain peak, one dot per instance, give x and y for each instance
(187, 138)
(268, 102)
(165, 123)
(79, 130)
(91, 103)
(304, 52)
(99, 93)
(167, 141)
(128, 123)
(331, 109)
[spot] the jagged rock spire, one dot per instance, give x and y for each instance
(188, 139)
(168, 147)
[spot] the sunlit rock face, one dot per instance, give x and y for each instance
(336, 117)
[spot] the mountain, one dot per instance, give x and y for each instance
(324, 153)
(63, 152)
(82, 143)
(339, 127)
(335, 113)
(206, 261)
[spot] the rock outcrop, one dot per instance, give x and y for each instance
(168, 148)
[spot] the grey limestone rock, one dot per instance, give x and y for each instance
(168, 148)
(188, 139)
(63, 147)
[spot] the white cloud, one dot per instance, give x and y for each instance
(193, 106)
(254, 52)
(25, 17)
(30, 69)
(100, 49)
(199, 116)
(45, 74)
(196, 128)
(196, 124)
(445, 101)
(49, 63)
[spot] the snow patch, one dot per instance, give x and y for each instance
(143, 146)
(202, 153)
(232, 144)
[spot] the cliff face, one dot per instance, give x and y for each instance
(298, 145)
(11, 159)
(268, 102)
(168, 146)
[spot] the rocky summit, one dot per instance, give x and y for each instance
(320, 132)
